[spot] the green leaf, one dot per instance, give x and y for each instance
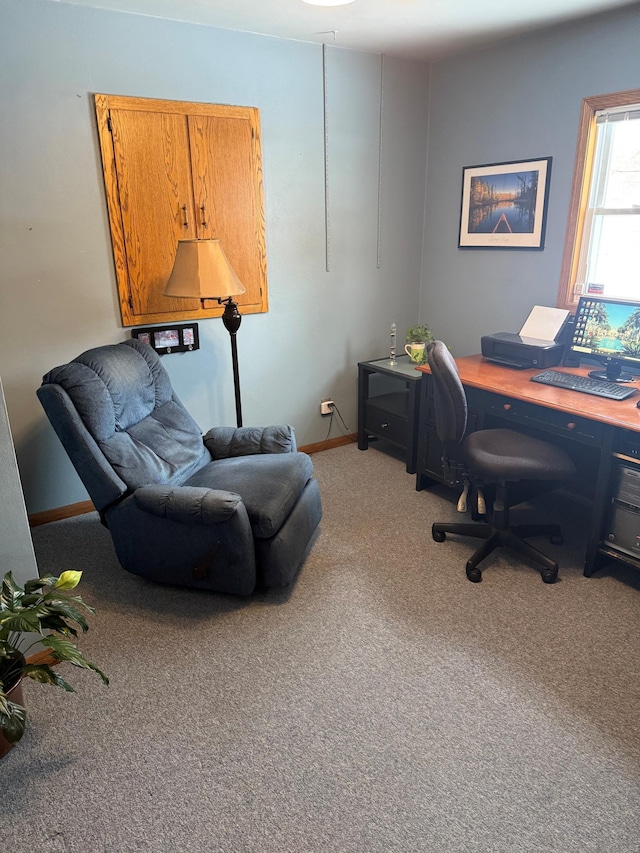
(46, 675)
(56, 595)
(68, 580)
(12, 719)
(34, 584)
(41, 609)
(31, 598)
(68, 611)
(11, 593)
(94, 668)
(9, 587)
(87, 607)
(65, 650)
(26, 621)
(57, 625)
(38, 583)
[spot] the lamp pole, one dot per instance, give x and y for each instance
(232, 319)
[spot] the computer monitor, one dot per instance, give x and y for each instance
(609, 330)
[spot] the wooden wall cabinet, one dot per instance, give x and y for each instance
(181, 171)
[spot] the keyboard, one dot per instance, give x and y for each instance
(586, 384)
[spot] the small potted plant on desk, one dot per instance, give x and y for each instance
(44, 607)
(420, 334)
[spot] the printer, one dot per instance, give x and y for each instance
(536, 345)
(519, 351)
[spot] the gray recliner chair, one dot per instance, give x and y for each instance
(227, 511)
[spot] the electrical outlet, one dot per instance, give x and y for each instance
(326, 406)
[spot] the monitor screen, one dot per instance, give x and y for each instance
(609, 331)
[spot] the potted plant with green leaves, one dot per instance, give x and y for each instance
(43, 606)
(422, 335)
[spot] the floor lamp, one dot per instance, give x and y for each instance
(201, 270)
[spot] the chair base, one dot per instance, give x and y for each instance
(512, 537)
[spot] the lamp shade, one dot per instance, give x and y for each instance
(201, 270)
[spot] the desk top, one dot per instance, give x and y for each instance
(480, 373)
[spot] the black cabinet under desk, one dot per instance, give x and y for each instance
(388, 405)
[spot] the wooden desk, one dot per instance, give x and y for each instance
(600, 435)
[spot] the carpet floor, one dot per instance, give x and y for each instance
(381, 703)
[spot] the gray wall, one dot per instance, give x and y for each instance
(518, 101)
(58, 294)
(16, 547)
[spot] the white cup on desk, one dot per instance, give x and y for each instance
(415, 351)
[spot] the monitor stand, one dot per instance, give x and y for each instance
(612, 373)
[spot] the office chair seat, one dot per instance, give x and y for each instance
(504, 454)
(517, 465)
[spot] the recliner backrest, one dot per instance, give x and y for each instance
(123, 396)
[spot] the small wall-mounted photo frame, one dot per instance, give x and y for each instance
(169, 339)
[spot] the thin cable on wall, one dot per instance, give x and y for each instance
(345, 429)
(380, 141)
(326, 156)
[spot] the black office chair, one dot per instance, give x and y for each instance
(518, 465)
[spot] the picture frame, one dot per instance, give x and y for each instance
(504, 205)
(169, 339)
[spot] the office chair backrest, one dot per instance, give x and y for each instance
(122, 425)
(449, 396)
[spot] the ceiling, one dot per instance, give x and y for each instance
(414, 29)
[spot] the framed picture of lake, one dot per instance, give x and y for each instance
(504, 205)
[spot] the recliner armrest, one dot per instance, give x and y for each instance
(188, 504)
(225, 442)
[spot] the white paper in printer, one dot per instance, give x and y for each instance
(543, 323)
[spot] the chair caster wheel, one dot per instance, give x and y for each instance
(437, 535)
(474, 574)
(549, 575)
(556, 539)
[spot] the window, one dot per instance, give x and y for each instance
(602, 250)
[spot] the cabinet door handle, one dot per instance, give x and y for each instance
(506, 407)
(571, 425)
(383, 426)
(204, 218)
(185, 221)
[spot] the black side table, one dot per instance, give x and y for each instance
(388, 403)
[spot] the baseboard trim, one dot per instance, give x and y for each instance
(60, 512)
(329, 444)
(71, 510)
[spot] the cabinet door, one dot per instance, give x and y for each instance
(175, 170)
(155, 203)
(227, 189)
